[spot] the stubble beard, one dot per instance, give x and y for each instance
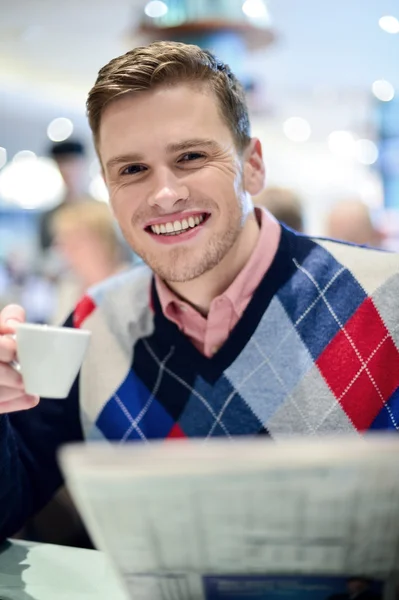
(181, 264)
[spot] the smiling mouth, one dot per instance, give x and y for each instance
(178, 227)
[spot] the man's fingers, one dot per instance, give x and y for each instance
(9, 377)
(23, 402)
(7, 349)
(10, 393)
(10, 316)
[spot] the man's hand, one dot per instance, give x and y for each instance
(12, 392)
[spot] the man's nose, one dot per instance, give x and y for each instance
(168, 191)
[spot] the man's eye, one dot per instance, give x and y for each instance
(133, 169)
(189, 156)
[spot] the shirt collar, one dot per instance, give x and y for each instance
(246, 281)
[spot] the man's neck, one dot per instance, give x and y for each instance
(201, 291)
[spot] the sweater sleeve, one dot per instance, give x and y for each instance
(29, 440)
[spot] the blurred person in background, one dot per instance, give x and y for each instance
(350, 221)
(284, 204)
(87, 240)
(70, 157)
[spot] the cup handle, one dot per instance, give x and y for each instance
(14, 363)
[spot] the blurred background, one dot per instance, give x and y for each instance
(320, 76)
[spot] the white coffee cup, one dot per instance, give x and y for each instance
(49, 358)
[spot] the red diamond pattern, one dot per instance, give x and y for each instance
(361, 390)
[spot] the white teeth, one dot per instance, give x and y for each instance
(177, 226)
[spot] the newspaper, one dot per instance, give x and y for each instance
(243, 519)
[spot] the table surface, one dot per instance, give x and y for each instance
(30, 571)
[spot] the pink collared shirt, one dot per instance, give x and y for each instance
(209, 333)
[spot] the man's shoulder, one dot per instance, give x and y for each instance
(118, 309)
(347, 248)
(125, 296)
(331, 264)
(372, 267)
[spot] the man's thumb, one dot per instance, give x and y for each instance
(11, 316)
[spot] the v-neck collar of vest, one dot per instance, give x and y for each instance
(279, 272)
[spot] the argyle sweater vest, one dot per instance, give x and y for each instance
(316, 351)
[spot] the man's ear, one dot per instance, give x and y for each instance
(254, 168)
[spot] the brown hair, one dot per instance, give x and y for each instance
(167, 63)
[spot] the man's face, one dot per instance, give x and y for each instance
(176, 179)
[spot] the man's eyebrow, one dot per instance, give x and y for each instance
(170, 148)
(124, 158)
(191, 143)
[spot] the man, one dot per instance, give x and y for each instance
(71, 162)
(238, 326)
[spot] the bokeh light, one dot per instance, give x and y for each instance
(297, 129)
(3, 157)
(155, 9)
(60, 129)
(31, 183)
(389, 24)
(342, 144)
(366, 152)
(383, 90)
